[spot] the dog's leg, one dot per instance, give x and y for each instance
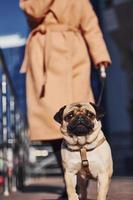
(71, 181)
(103, 186)
(83, 183)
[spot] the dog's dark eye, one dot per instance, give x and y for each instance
(91, 115)
(69, 116)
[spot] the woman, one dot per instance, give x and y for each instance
(65, 37)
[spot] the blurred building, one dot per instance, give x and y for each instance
(13, 35)
(115, 18)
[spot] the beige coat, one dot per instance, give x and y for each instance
(57, 60)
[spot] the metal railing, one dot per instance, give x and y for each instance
(13, 133)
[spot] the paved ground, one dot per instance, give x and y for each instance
(50, 188)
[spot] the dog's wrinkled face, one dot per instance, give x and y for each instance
(78, 118)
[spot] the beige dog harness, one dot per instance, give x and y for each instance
(83, 154)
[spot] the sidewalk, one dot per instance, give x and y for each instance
(50, 188)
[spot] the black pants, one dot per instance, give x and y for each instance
(56, 146)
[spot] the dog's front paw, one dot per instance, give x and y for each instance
(73, 197)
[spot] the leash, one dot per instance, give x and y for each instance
(102, 78)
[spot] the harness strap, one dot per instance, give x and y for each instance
(85, 163)
(91, 149)
(84, 160)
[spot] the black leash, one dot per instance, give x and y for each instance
(102, 78)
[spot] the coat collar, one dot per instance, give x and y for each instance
(58, 7)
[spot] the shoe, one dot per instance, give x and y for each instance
(63, 196)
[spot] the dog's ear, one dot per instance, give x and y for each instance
(99, 111)
(58, 116)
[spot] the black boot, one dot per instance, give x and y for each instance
(63, 196)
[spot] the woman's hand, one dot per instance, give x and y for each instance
(105, 64)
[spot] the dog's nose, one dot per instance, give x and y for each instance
(80, 118)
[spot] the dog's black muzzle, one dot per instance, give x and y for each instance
(80, 126)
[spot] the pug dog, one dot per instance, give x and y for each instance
(85, 151)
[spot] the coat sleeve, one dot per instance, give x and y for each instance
(93, 35)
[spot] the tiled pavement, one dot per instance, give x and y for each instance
(50, 188)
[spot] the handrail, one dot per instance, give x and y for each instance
(5, 70)
(9, 81)
(13, 122)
